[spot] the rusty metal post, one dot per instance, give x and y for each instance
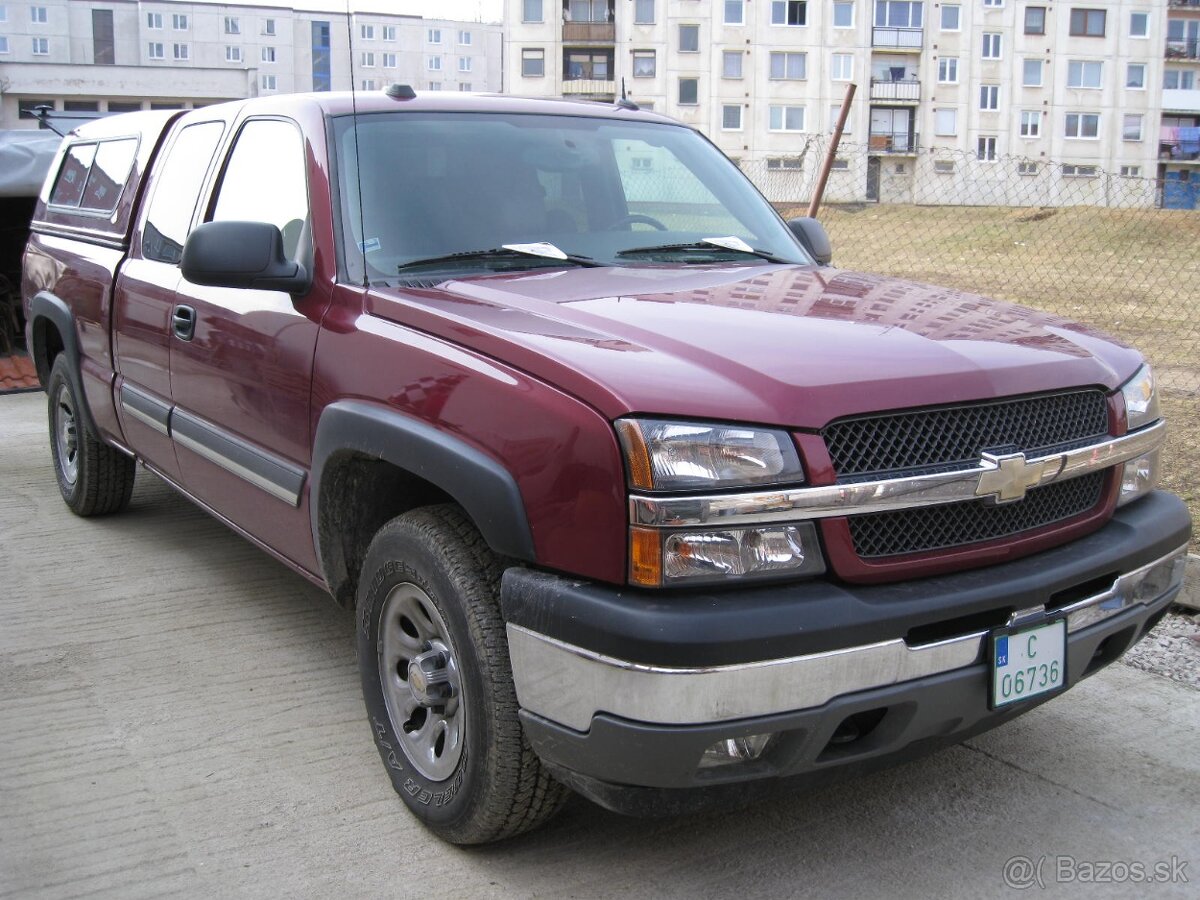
(819, 190)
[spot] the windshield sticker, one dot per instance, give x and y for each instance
(370, 245)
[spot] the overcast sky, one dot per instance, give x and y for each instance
(467, 10)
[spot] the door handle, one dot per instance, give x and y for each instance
(183, 322)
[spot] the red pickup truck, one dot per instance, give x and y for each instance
(632, 492)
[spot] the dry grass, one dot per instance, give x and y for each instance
(1132, 273)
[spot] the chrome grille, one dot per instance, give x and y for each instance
(930, 440)
(956, 524)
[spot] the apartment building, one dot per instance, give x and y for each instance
(80, 56)
(1058, 93)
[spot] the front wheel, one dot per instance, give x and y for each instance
(438, 684)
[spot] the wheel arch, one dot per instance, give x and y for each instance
(371, 464)
(51, 331)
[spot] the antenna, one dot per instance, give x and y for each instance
(362, 216)
(623, 97)
(42, 114)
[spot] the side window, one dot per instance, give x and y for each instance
(177, 191)
(265, 180)
(68, 189)
(110, 171)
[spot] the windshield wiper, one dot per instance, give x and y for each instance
(507, 252)
(707, 245)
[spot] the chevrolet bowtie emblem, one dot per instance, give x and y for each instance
(1008, 477)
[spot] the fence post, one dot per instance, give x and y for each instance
(831, 153)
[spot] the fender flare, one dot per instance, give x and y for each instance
(55, 310)
(477, 482)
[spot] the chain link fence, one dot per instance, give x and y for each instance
(1072, 239)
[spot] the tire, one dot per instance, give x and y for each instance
(447, 731)
(94, 478)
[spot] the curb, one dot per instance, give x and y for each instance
(1189, 596)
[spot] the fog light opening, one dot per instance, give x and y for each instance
(735, 750)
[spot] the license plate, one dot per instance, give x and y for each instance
(1028, 662)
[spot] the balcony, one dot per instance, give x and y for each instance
(897, 38)
(1179, 151)
(1189, 49)
(903, 142)
(905, 90)
(589, 32)
(1178, 100)
(1183, 4)
(589, 87)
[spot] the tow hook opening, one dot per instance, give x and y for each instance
(851, 732)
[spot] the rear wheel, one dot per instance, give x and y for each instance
(438, 683)
(94, 478)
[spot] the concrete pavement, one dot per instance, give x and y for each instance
(180, 715)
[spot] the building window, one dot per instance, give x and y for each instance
(840, 164)
(644, 64)
(233, 25)
(179, 22)
(1139, 24)
(181, 52)
(775, 163)
(1179, 79)
(38, 15)
(464, 64)
(41, 46)
(735, 14)
(1131, 171)
(269, 27)
(233, 54)
(1083, 125)
(1131, 127)
(945, 122)
(587, 65)
(789, 12)
(991, 45)
(1035, 20)
(1082, 73)
(689, 38)
(531, 11)
(116, 106)
(989, 96)
(435, 85)
(1027, 168)
(367, 58)
(155, 50)
(1087, 22)
(389, 60)
(1032, 73)
(948, 70)
(899, 13)
(843, 14)
(433, 35)
(995, 4)
(533, 63)
(322, 75)
(464, 38)
(270, 83)
(3, 44)
(3, 13)
(731, 117)
(943, 166)
(789, 66)
(731, 63)
(464, 86)
(985, 149)
(1031, 123)
(643, 12)
(835, 112)
(389, 32)
(103, 43)
(434, 64)
(843, 67)
(951, 17)
(367, 84)
(1135, 76)
(153, 20)
(689, 91)
(1073, 171)
(367, 32)
(786, 118)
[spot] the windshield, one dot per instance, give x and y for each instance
(437, 184)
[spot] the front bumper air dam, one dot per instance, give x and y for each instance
(630, 732)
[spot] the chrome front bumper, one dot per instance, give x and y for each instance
(569, 685)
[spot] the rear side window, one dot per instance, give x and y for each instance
(93, 175)
(177, 190)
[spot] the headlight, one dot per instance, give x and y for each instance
(679, 456)
(661, 558)
(1141, 399)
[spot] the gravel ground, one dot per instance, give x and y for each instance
(1172, 649)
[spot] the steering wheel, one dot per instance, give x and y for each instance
(636, 219)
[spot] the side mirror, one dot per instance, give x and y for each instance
(242, 255)
(814, 238)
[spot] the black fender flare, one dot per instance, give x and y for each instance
(477, 482)
(55, 310)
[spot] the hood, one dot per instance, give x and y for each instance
(782, 345)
